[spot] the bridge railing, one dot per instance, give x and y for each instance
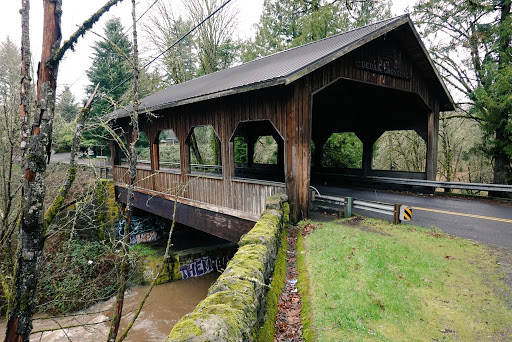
(446, 185)
(433, 184)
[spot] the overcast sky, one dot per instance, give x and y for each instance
(72, 68)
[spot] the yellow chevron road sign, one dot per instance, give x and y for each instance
(405, 213)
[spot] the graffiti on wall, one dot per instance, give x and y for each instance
(203, 266)
(143, 237)
(143, 229)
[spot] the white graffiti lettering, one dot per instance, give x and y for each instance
(203, 266)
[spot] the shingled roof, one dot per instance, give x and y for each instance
(280, 68)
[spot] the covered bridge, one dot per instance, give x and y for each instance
(368, 80)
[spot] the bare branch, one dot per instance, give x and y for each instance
(86, 25)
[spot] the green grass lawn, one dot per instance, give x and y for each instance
(372, 281)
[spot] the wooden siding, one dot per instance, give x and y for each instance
(242, 199)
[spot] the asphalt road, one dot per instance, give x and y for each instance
(482, 221)
(64, 158)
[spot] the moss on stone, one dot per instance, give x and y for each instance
(267, 331)
(265, 230)
(286, 213)
(184, 330)
(108, 209)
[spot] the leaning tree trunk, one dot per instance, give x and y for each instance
(124, 268)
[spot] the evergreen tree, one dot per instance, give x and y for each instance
(67, 107)
(288, 23)
(111, 66)
(66, 110)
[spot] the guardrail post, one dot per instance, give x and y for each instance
(347, 208)
(396, 214)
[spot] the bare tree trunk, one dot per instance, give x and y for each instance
(165, 258)
(58, 201)
(32, 232)
(124, 268)
(26, 81)
(195, 148)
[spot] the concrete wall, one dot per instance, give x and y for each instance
(193, 262)
(234, 307)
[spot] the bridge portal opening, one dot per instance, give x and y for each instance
(258, 151)
(367, 111)
(204, 150)
(168, 151)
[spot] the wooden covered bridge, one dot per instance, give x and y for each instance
(368, 80)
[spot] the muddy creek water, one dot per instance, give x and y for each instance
(166, 304)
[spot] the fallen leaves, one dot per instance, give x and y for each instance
(288, 322)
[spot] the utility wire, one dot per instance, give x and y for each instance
(123, 35)
(170, 47)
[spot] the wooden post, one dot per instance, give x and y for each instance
(396, 214)
(432, 134)
(368, 139)
(367, 157)
(251, 140)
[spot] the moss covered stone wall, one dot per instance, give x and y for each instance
(233, 309)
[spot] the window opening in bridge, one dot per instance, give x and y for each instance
(168, 151)
(342, 151)
(204, 150)
(143, 151)
(265, 150)
(403, 150)
(258, 151)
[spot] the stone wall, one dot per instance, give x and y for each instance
(234, 307)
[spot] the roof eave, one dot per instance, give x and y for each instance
(232, 91)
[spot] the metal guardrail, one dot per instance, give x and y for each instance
(377, 207)
(349, 203)
(441, 184)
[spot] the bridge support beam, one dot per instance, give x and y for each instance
(225, 226)
(433, 133)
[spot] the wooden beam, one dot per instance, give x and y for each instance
(433, 133)
(225, 226)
